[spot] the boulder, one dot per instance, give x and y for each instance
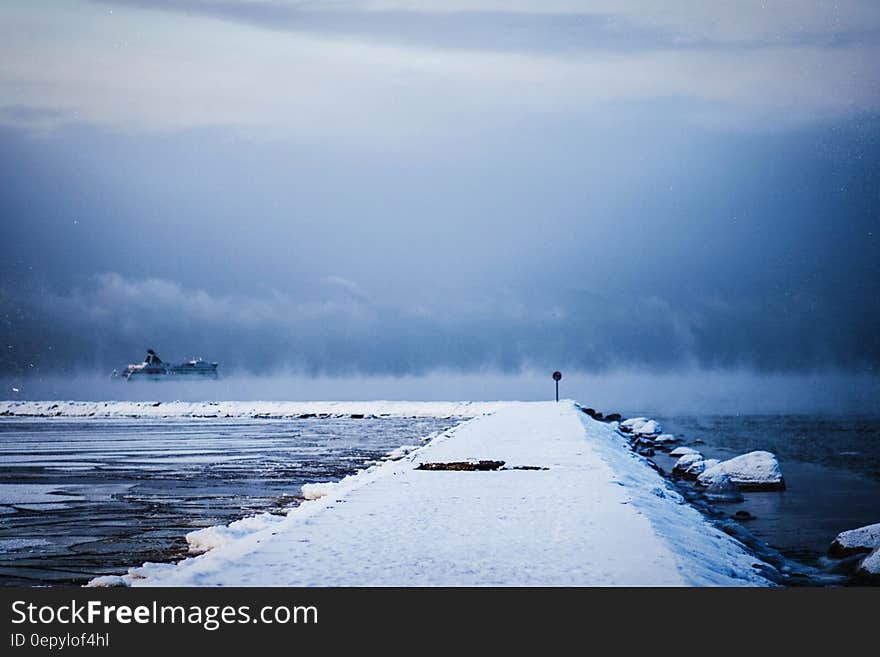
(633, 423)
(613, 417)
(665, 438)
(681, 451)
(870, 565)
(593, 413)
(723, 490)
(651, 427)
(855, 541)
(687, 462)
(697, 467)
(753, 471)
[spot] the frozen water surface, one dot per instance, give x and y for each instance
(86, 497)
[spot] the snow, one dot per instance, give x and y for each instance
(649, 428)
(599, 515)
(210, 538)
(862, 539)
(681, 451)
(688, 461)
(871, 564)
(317, 491)
(665, 438)
(242, 409)
(753, 470)
(642, 426)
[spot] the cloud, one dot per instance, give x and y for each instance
(549, 25)
(417, 73)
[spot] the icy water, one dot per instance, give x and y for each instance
(90, 497)
(831, 467)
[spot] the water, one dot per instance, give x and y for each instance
(88, 497)
(831, 467)
(91, 497)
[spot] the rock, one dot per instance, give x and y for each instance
(723, 490)
(855, 541)
(651, 427)
(613, 417)
(870, 565)
(633, 423)
(743, 515)
(697, 467)
(685, 462)
(753, 471)
(593, 413)
(665, 438)
(681, 451)
(645, 451)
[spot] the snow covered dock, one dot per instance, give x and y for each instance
(597, 515)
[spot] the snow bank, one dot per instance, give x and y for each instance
(863, 539)
(209, 538)
(245, 409)
(317, 491)
(753, 471)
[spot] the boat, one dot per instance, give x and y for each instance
(154, 368)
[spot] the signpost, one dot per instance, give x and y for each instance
(557, 376)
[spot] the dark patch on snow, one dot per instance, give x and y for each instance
(466, 466)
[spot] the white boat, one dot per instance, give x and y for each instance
(154, 368)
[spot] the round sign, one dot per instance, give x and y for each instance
(557, 376)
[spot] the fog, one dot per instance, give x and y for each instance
(674, 205)
(685, 393)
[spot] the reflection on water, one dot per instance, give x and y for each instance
(89, 497)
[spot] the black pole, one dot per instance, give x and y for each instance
(557, 391)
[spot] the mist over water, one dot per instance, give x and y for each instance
(692, 392)
(681, 214)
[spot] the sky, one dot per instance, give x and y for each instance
(391, 190)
